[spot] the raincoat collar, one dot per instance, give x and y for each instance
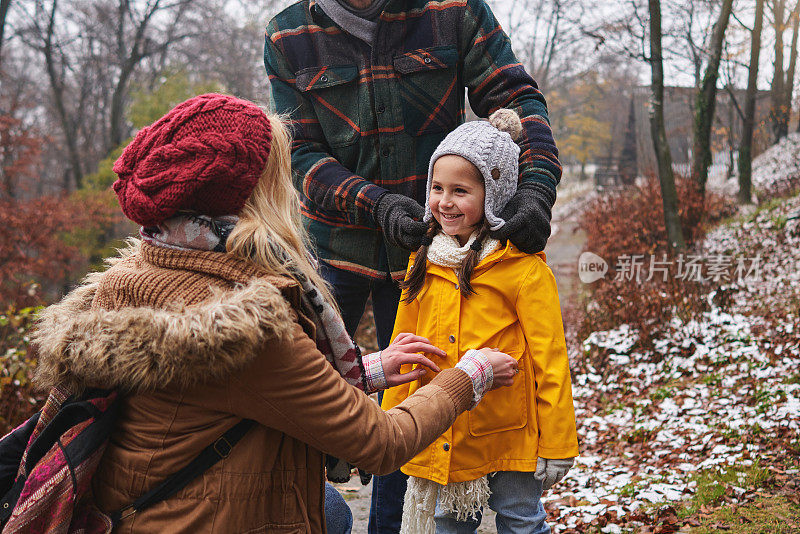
(506, 251)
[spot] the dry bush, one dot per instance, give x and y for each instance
(43, 243)
(631, 222)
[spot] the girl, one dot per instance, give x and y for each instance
(463, 291)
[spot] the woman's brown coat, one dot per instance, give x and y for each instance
(200, 340)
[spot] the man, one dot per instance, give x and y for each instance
(372, 87)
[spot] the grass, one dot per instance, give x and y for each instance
(629, 490)
(662, 393)
(712, 483)
(773, 515)
(764, 399)
(792, 379)
(712, 380)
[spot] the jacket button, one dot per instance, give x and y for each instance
(381, 108)
(452, 338)
(446, 447)
(386, 152)
(427, 60)
(323, 78)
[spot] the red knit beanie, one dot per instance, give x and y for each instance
(205, 155)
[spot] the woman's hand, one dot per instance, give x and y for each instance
(405, 349)
(504, 367)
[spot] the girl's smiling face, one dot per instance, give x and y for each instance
(456, 197)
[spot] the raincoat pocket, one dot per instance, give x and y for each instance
(505, 408)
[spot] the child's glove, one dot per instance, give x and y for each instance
(400, 218)
(551, 471)
(527, 217)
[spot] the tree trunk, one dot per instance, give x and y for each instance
(4, 4)
(788, 88)
(705, 101)
(118, 101)
(746, 144)
(57, 86)
(777, 90)
(666, 178)
(628, 161)
(731, 140)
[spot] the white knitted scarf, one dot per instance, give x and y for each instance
(445, 251)
(465, 499)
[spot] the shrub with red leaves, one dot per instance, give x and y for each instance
(36, 252)
(628, 223)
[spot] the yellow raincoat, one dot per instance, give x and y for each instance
(516, 310)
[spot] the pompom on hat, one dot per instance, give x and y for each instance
(490, 146)
(205, 155)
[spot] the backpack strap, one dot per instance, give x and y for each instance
(209, 456)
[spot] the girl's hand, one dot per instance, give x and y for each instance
(504, 367)
(405, 349)
(552, 471)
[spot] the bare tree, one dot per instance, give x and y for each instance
(41, 35)
(782, 81)
(548, 35)
(4, 5)
(689, 35)
(666, 177)
(706, 98)
(91, 53)
(746, 143)
(788, 89)
(127, 33)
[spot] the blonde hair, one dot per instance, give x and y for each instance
(272, 216)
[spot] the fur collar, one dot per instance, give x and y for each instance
(141, 349)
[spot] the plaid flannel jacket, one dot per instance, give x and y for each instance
(367, 119)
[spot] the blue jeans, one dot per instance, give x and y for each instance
(351, 292)
(516, 497)
(338, 517)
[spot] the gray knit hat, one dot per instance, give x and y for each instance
(491, 147)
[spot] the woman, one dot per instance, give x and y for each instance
(217, 315)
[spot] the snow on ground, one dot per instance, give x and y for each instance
(776, 172)
(718, 391)
(664, 414)
(773, 235)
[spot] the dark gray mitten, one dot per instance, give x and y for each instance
(527, 217)
(400, 218)
(338, 471)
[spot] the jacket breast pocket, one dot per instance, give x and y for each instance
(429, 89)
(505, 408)
(333, 91)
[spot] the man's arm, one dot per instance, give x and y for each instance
(318, 174)
(495, 79)
(322, 178)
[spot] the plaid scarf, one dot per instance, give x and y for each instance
(190, 231)
(332, 338)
